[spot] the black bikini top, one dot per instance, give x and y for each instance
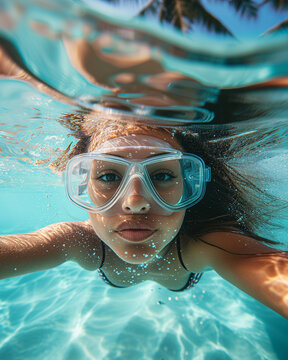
(192, 281)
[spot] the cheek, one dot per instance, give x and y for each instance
(101, 225)
(170, 225)
(175, 219)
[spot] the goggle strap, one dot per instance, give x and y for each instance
(207, 174)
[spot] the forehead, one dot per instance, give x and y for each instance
(128, 146)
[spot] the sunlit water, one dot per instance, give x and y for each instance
(67, 312)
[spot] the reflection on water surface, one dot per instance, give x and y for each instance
(155, 62)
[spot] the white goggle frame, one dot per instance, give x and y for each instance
(79, 167)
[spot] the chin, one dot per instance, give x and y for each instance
(134, 262)
(138, 259)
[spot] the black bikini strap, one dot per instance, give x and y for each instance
(179, 252)
(103, 255)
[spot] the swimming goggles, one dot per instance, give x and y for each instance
(168, 179)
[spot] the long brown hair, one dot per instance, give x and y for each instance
(232, 202)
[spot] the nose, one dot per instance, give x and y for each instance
(135, 201)
(135, 204)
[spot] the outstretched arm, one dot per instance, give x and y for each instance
(258, 270)
(49, 247)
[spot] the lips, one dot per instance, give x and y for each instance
(135, 232)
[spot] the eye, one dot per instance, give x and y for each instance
(162, 177)
(109, 178)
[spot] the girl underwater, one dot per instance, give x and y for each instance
(163, 205)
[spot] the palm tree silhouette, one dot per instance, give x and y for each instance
(184, 14)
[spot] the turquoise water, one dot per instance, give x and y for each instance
(67, 312)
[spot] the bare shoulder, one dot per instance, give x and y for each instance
(211, 249)
(84, 245)
(76, 230)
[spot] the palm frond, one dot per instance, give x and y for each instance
(152, 7)
(276, 4)
(248, 8)
(282, 26)
(197, 13)
(174, 12)
(184, 13)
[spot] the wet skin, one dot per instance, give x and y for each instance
(136, 232)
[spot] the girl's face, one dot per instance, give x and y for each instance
(137, 232)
